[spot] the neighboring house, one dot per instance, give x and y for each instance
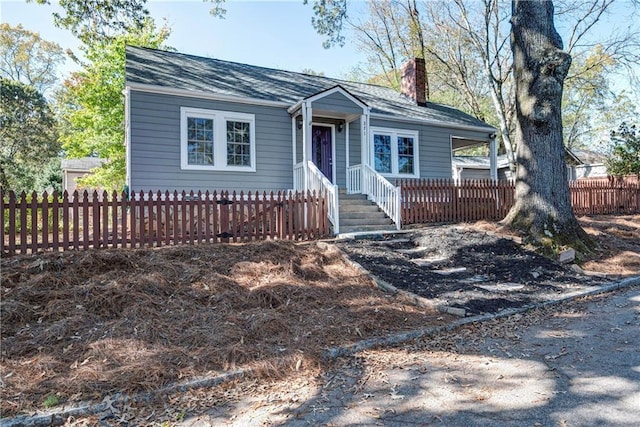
(583, 164)
(195, 123)
(72, 169)
(479, 167)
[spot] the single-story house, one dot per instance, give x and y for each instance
(585, 164)
(581, 164)
(195, 123)
(72, 169)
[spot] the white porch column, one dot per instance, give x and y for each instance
(346, 145)
(493, 158)
(365, 142)
(306, 141)
(293, 139)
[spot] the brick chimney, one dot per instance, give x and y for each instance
(413, 80)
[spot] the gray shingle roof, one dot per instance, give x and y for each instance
(188, 72)
(82, 164)
(480, 162)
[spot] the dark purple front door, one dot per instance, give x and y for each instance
(321, 150)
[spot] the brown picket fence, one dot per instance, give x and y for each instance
(63, 221)
(445, 200)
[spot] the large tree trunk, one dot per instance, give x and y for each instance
(543, 206)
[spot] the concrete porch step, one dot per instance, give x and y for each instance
(361, 228)
(356, 207)
(361, 215)
(382, 220)
(358, 214)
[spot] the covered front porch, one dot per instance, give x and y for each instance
(330, 134)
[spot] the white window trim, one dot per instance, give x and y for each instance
(395, 133)
(219, 139)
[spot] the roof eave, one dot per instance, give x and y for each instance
(193, 93)
(437, 123)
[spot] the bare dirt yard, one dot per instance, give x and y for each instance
(80, 326)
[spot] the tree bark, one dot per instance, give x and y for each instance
(543, 205)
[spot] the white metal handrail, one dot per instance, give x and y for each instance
(316, 181)
(383, 193)
(354, 179)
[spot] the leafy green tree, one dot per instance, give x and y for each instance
(27, 135)
(589, 105)
(625, 152)
(98, 20)
(27, 58)
(91, 104)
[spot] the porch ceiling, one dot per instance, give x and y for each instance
(460, 143)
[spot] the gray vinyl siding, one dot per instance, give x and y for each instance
(434, 145)
(355, 144)
(155, 147)
(336, 102)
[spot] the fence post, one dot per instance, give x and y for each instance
(2, 209)
(223, 203)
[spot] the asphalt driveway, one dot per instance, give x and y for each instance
(576, 364)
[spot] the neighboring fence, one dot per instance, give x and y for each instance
(590, 197)
(98, 220)
(433, 201)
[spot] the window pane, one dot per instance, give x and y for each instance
(405, 155)
(238, 143)
(405, 146)
(382, 153)
(405, 164)
(199, 141)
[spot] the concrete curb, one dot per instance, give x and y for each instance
(58, 416)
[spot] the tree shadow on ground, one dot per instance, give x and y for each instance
(570, 365)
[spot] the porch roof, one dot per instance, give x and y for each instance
(231, 79)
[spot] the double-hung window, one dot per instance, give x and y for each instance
(217, 140)
(395, 152)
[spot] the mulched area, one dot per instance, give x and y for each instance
(463, 266)
(83, 325)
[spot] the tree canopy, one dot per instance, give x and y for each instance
(625, 151)
(91, 104)
(469, 63)
(27, 135)
(27, 58)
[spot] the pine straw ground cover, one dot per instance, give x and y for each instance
(78, 326)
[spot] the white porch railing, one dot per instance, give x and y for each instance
(316, 181)
(298, 177)
(354, 179)
(382, 192)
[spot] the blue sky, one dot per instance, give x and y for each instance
(275, 34)
(268, 33)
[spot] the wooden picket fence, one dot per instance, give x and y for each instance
(444, 200)
(63, 221)
(592, 197)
